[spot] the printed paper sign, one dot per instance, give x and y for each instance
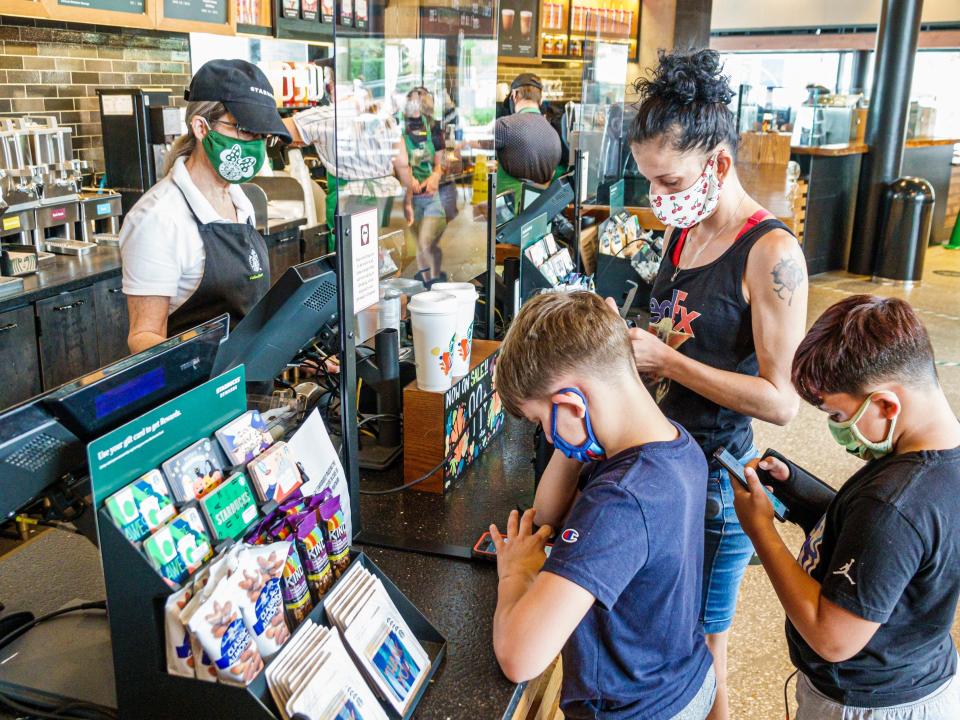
(312, 447)
(366, 259)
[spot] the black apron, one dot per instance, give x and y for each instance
(236, 274)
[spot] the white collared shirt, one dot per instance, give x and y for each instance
(160, 246)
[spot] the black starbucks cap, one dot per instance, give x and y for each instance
(526, 80)
(244, 90)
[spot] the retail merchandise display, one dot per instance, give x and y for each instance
(556, 266)
(621, 236)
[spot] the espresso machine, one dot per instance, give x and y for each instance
(139, 125)
(59, 209)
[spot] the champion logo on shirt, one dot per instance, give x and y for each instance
(570, 536)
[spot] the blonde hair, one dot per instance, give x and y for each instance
(555, 334)
(183, 146)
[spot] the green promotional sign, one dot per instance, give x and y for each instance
(616, 197)
(121, 456)
(135, 7)
(208, 11)
(534, 230)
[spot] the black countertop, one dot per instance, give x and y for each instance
(457, 596)
(66, 273)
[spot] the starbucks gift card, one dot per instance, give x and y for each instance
(244, 437)
(194, 472)
(230, 507)
(141, 507)
(275, 475)
(179, 548)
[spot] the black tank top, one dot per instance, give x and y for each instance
(701, 312)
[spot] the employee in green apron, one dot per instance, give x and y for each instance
(189, 249)
(423, 185)
(528, 147)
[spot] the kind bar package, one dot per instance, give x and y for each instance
(222, 632)
(258, 574)
(230, 507)
(179, 548)
(142, 506)
(180, 660)
(275, 475)
(335, 535)
(313, 552)
(195, 471)
(245, 437)
(296, 592)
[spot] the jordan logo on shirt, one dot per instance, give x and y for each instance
(845, 571)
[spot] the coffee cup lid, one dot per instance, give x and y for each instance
(433, 302)
(463, 290)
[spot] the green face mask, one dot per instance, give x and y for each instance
(234, 160)
(849, 436)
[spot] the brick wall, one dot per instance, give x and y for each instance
(54, 68)
(569, 74)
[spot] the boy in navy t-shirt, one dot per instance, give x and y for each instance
(620, 593)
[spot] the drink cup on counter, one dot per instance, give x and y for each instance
(466, 295)
(434, 315)
(506, 19)
(526, 21)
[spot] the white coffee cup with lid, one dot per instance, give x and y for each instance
(434, 315)
(466, 294)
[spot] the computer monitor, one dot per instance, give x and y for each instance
(529, 193)
(44, 439)
(506, 202)
(550, 201)
(292, 313)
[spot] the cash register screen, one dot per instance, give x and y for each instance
(97, 402)
(110, 401)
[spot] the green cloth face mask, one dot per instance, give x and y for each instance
(849, 436)
(234, 160)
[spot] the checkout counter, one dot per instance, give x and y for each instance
(832, 173)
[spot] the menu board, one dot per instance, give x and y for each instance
(518, 28)
(206, 11)
(135, 7)
(446, 22)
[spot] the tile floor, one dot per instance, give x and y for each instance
(758, 652)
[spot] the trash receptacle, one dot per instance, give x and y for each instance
(905, 231)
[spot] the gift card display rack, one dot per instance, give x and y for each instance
(136, 593)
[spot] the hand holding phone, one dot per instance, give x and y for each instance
(737, 473)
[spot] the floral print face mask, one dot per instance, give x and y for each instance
(688, 207)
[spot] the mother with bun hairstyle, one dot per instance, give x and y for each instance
(728, 306)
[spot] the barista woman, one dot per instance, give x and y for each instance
(423, 184)
(189, 249)
(727, 308)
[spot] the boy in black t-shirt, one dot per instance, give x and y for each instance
(871, 599)
(620, 592)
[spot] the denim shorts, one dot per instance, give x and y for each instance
(726, 552)
(942, 704)
(427, 206)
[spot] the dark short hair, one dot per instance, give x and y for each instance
(859, 342)
(685, 102)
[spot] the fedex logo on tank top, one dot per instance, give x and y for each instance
(672, 322)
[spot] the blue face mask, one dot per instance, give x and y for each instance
(590, 449)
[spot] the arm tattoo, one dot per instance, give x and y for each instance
(788, 276)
